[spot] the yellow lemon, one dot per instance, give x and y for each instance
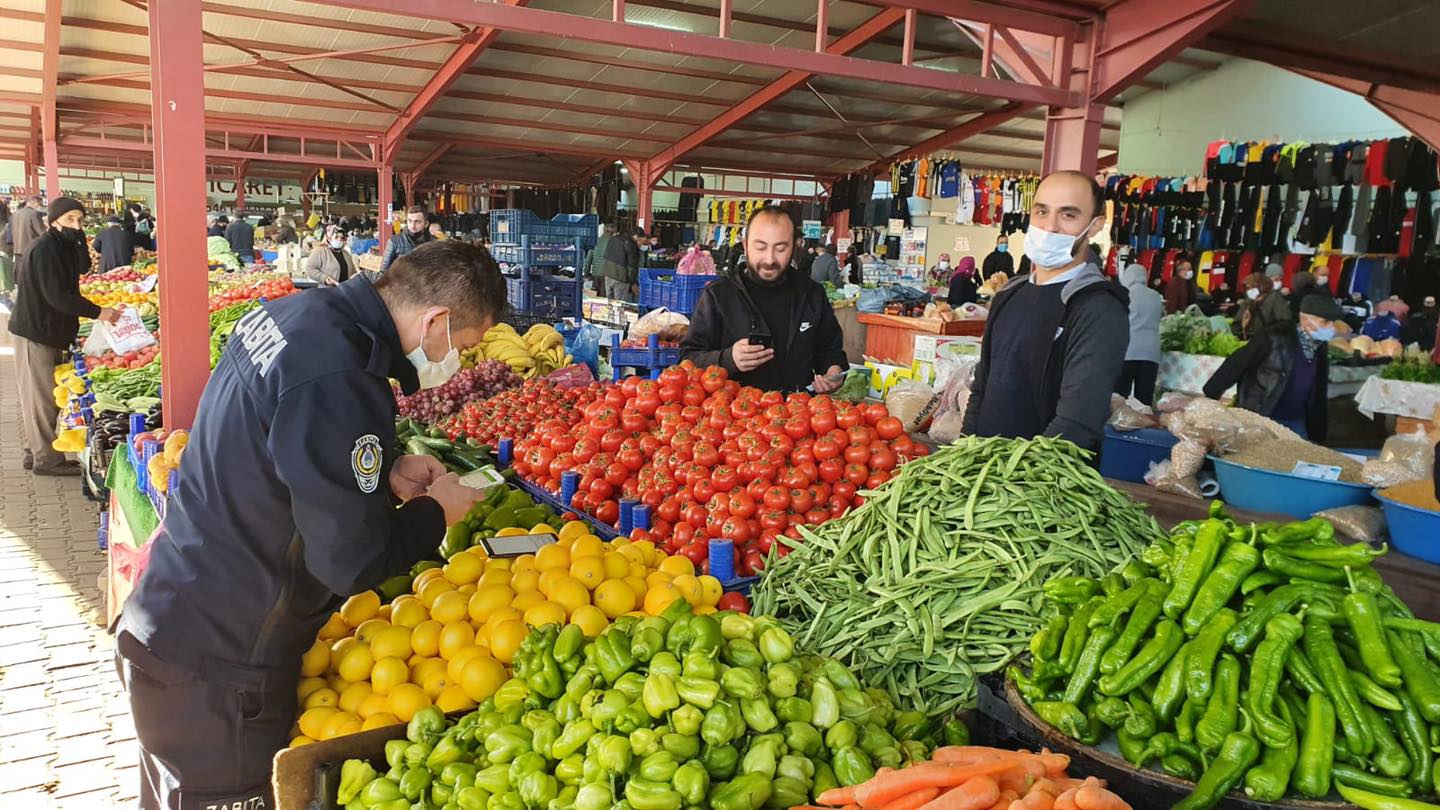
(354, 695)
(432, 591)
(637, 585)
(704, 610)
(407, 699)
(527, 600)
(543, 528)
(466, 589)
(629, 552)
(525, 562)
(309, 685)
(640, 569)
(380, 720)
(499, 563)
(434, 683)
(301, 739)
(570, 594)
(408, 611)
(710, 590)
(587, 545)
(369, 628)
(614, 597)
(552, 557)
(393, 642)
(383, 614)
(453, 699)
(326, 697)
(677, 565)
(648, 549)
(550, 577)
(337, 683)
(524, 581)
(425, 578)
(372, 705)
(505, 614)
(449, 606)
(505, 639)
(455, 637)
(493, 576)
(464, 568)
(591, 619)
(589, 571)
(340, 724)
(312, 721)
(657, 578)
(315, 660)
(360, 607)
(422, 670)
(573, 529)
(455, 669)
(338, 650)
(482, 676)
(387, 674)
(546, 613)
(659, 597)
(425, 638)
(487, 599)
(616, 566)
(511, 531)
(689, 587)
(335, 627)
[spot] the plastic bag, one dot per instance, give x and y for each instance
(872, 301)
(1172, 401)
(948, 426)
(953, 376)
(1363, 524)
(1413, 451)
(1186, 458)
(1130, 414)
(662, 323)
(855, 387)
(1382, 474)
(586, 346)
(575, 375)
(913, 403)
(1161, 476)
(127, 334)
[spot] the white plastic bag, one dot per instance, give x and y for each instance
(661, 322)
(913, 403)
(127, 334)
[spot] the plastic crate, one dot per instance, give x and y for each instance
(652, 358)
(531, 252)
(671, 290)
(545, 296)
(1127, 455)
(508, 225)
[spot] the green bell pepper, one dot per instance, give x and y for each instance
(786, 792)
(472, 798)
(614, 755)
(644, 741)
(803, 738)
(355, 774)
(683, 746)
(506, 743)
(613, 656)
(910, 725)
(512, 693)
(757, 715)
(635, 716)
(852, 766)
(705, 634)
(843, 734)
(568, 642)
(594, 796)
(570, 770)
(700, 665)
(646, 795)
(509, 800)
(955, 732)
(722, 724)
(379, 791)
(395, 752)
(545, 678)
(416, 753)
(527, 762)
(414, 783)
(794, 710)
(742, 683)
(538, 789)
(658, 767)
(697, 692)
(646, 643)
(687, 719)
(666, 663)
(575, 735)
(605, 711)
(581, 682)
(783, 680)
(762, 758)
(426, 726)
(632, 684)
(737, 625)
(746, 792)
(494, 779)
(720, 761)
(825, 703)
(459, 774)
(660, 695)
(740, 652)
(692, 782)
(796, 767)
(776, 646)
(824, 780)
(677, 638)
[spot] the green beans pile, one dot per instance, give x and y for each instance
(938, 577)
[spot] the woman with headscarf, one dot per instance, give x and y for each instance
(1260, 307)
(1180, 289)
(1142, 356)
(963, 289)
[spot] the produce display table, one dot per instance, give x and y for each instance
(1188, 373)
(891, 338)
(1413, 404)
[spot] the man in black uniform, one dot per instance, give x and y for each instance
(286, 503)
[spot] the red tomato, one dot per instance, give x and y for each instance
(756, 489)
(617, 473)
(766, 541)
(800, 500)
(737, 529)
(713, 379)
(751, 563)
(794, 477)
(703, 490)
(857, 454)
(832, 470)
(837, 505)
(797, 427)
(802, 455)
(844, 489)
(706, 454)
(631, 459)
(774, 519)
(822, 422)
(890, 428)
(692, 395)
(724, 478)
(734, 601)
(714, 521)
(848, 417)
(918, 450)
(694, 515)
(683, 533)
(669, 509)
(882, 459)
(615, 397)
(825, 448)
(815, 517)
(608, 512)
(856, 473)
(902, 444)
(696, 551)
(876, 479)
(777, 498)
(741, 505)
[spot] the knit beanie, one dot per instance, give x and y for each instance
(62, 206)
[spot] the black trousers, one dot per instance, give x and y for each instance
(206, 743)
(1139, 376)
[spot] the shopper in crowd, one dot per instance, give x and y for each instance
(1142, 356)
(114, 245)
(937, 278)
(437, 233)
(826, 267)
(963, 289)
(805, 258)
(1180, 289)
(1055, 339)
(593, 266)
(330, 263)
(999, 260)
(415, 233)
(855, 265)
(285, 232)
(143, 230)
(622, 265)
(1223, 298)
(7, 248)
(27, 225)
(1283, 372)
(1384, 324)
(48, 309)
(222, 222)
(1357, 310)
(1302, 285)
(212, 225)
(769, 325)
(241, 578)
(1421, 325)
(241, 236)
(1261, 307)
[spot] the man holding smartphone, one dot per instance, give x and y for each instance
(769, 325)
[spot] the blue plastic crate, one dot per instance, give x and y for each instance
(1127, 455)
(653, 358)
(550, 297)
(671, 290)
(532, 252)
(508, 225)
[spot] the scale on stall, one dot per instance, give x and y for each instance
(516, 545)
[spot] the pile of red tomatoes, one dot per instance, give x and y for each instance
(269, 289)
(713, 459)
(515, 412)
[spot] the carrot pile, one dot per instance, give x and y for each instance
(974, 777)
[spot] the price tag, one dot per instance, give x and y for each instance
(897, 227)
(148, 284)
(842, 245)
(483, 478)
(962, 244)
(516, 545)
(1320, 472)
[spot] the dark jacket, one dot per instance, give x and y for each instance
(48, 303)
(215, 230)
(1084, 362)
(962, 290)
(116, 247)
(241, 236)
(723, 316)
(621, 260)
(241, 578)
(1261, 368)
(401, 244)
(997, 262)
(26, 225)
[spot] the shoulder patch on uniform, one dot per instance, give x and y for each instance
(366, 460)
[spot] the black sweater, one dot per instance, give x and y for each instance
(48, 305)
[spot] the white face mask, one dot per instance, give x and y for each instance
(944, 265)
(1050, 250)
(1252, 294)
(337, 243)
(1188, 276)
(431, 373)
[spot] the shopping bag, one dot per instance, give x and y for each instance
(127, 334)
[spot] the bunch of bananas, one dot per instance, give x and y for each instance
(538, 352)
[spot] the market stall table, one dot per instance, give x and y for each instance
(891, 338)
(1188, 373)
(1414, 405)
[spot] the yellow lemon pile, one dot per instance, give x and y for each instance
(450, 642)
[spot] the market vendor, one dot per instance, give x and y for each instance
(1283, 372)
(287, 504)
(769, 325)
(999, 260)
(1055, 340)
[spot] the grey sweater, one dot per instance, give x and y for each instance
(1146, 308)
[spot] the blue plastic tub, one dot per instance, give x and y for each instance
(1269, 491)
(660, 287)
(1413, 530)
(1126, 455)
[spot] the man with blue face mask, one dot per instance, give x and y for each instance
(292, 497)
(1055, 339)
(1284, 371)
(999, 260)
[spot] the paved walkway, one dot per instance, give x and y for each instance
(66, 740)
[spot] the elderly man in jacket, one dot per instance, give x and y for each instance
(27, 225)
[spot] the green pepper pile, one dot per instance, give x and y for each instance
(661, 713)
(1268, 658)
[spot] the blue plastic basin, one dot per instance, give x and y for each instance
(1127, 455)
(1269, 491)
(1413, 530)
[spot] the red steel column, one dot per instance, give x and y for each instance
(1072, 139)
(52, 170)
(177, 82)
(387, 183)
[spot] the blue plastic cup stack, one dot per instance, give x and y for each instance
(722, 560)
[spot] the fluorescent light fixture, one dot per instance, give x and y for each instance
(665, 26)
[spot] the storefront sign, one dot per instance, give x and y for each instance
(256, 191)
(811, 228)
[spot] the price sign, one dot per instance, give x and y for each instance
(897, 227)
(962, 244)
(811, 227)
(1320, 472)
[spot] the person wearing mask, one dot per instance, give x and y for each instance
(114, 246)
(826, 267)
(213, 226)
(1421, 325)
(1261, 307)
(241, 236)
(27, 225)
(1223, 298)
(937, 278)
(622, 266)
(240, 579)
(415, 233)
(1283, 372)
(1142, 355)
(285, 234)
(330, 263)
(768, 324)
(963, 289)
(1054, 342)
(1180, 289)
(48, 309)
(855, 265)
(593, 267)
(999, 260)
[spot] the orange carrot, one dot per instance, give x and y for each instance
(1018, 780)
(837, 797)
(1036, 800)
(1066, 800)
(1063, 783)
(887, 787)
(953, 753)
(1094, 796)
(911, 801)
(978, 793)
(1006, 797)
(1055, 764)
(1046, 785)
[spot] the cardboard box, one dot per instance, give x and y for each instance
(884, 375)
(307, 777)
(927, 347)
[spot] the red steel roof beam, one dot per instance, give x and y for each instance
(1415, 110)
(50, 64)
(978, 125)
